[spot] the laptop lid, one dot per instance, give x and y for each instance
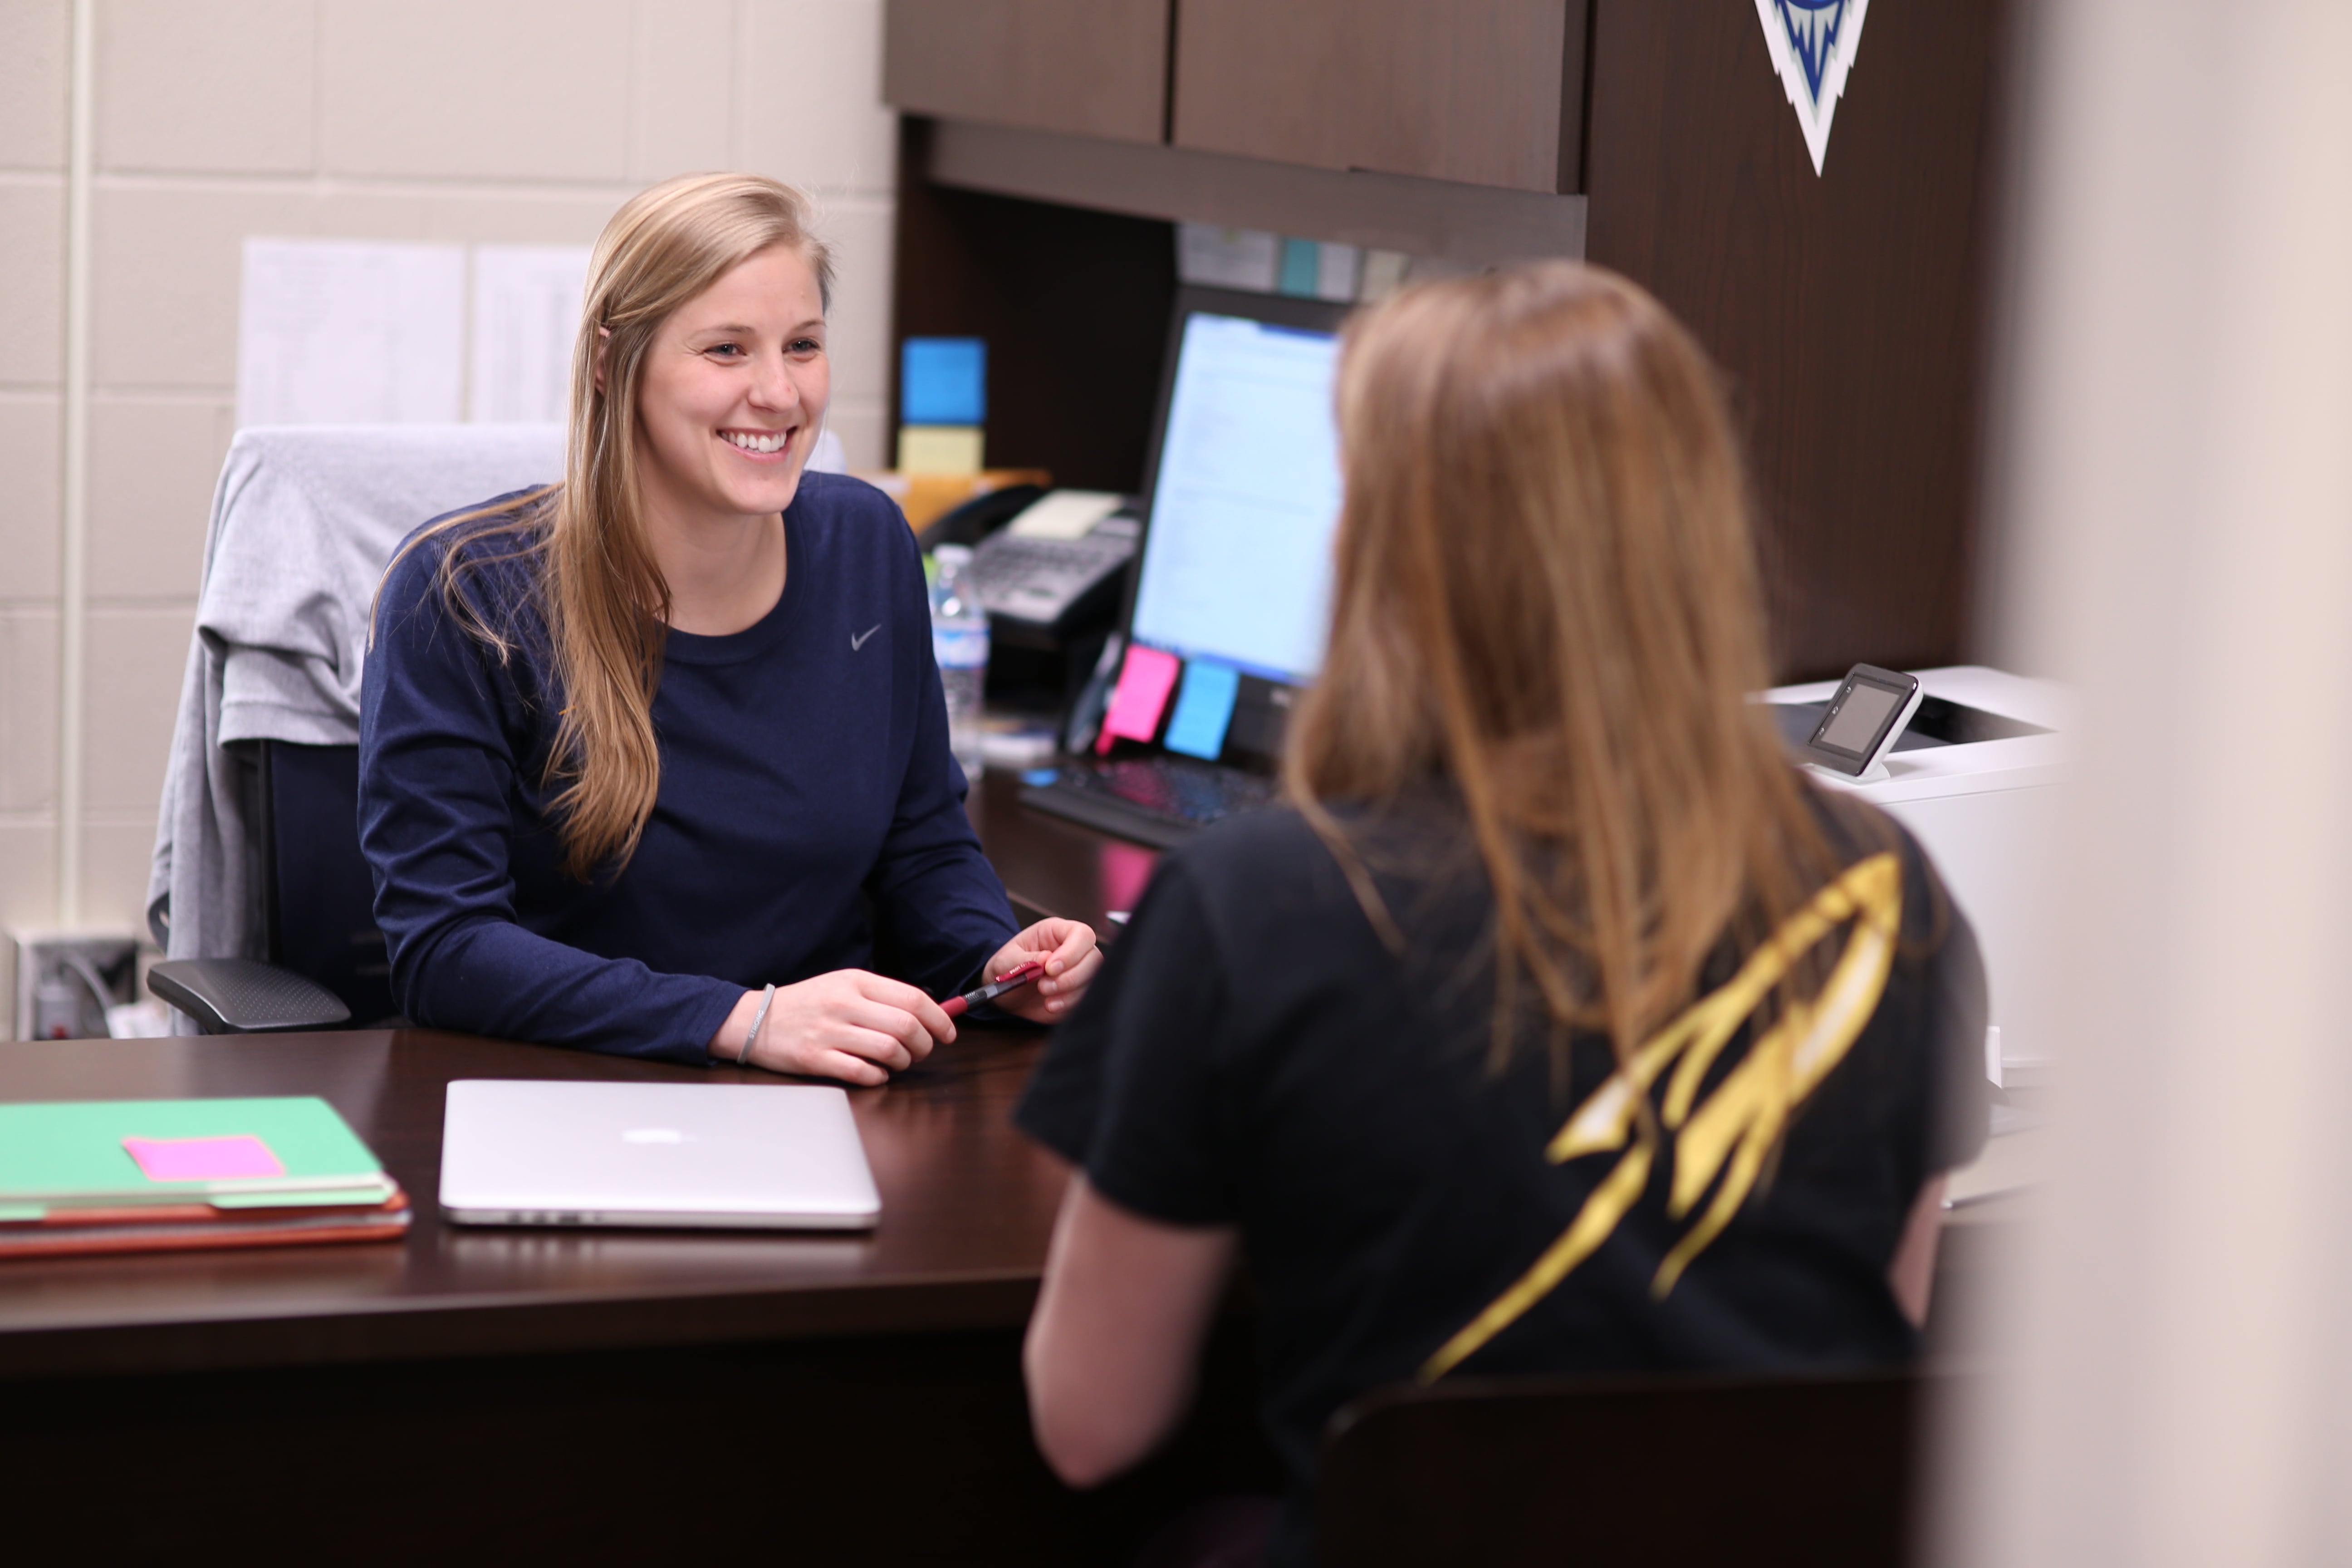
(751, 1156)
(1240, 502)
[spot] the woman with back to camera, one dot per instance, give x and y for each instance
(654, 761)
(1558, 1025)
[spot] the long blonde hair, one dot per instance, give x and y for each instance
(601, 593)
(1545, 598)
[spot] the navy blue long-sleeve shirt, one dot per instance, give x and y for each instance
(810, 815)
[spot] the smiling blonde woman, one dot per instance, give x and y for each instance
(654, 761)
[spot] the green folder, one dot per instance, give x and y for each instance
(73, 1153)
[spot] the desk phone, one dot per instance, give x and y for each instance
(1045, 580)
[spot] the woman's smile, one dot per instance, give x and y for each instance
(762, 446)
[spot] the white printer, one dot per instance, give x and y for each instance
(1977, 779)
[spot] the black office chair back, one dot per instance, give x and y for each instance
(317, 896)
(323, 963)
(1491, 1473)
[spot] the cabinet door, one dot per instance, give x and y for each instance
(1489, 92)
(1094, 68)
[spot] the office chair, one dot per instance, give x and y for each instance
(259, 840)
(1659, 1471)
(323, 963)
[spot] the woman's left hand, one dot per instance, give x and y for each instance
(1068, 950)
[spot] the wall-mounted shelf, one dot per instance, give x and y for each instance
(1476, 225)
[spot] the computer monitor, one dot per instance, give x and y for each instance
(1243, 495)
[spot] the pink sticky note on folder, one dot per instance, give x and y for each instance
(1141, 696)
(203, 1159)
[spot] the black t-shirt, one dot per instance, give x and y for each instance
(1254, 1055)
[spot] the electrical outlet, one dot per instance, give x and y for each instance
(66, 981)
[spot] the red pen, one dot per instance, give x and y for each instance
(1011, 980)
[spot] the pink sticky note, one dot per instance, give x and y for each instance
(1122, 871)
(203, 1159)
(1144, 682)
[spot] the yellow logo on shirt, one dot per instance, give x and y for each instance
(1738, 1124)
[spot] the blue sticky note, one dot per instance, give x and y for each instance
(1204, 707)
(1302, 265)
(943, 381)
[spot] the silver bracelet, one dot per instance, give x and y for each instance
(743, 1058)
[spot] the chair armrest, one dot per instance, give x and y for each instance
(245, 996)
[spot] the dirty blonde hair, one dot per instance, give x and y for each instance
(1546, 600)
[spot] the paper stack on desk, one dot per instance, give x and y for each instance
(141, 1175)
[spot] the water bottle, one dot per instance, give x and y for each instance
(959, 642)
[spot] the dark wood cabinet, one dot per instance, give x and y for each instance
(1847, 305)
(1486, 94)
(1090, 67)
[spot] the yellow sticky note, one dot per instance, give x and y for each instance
(939, 448)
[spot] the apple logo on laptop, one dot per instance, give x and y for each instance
(655, 1135)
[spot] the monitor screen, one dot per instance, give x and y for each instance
(1237, 559)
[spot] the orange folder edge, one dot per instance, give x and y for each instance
(208, 1230)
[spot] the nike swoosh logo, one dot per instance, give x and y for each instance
(859, 640)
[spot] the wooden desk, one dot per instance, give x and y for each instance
(1052, 865)
(601, 1394)
(967, 1204)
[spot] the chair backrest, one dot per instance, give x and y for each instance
(1658, 1471)
(317, 896)
(264, 771)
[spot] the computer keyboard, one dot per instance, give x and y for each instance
(1160, 801)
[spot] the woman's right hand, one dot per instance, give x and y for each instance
(849, 1025)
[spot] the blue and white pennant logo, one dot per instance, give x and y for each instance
(1814, 44)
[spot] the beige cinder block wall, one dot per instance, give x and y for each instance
(498, 120)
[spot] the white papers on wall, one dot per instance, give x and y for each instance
(1382, 274)
(1266, 263)
(351, 332)
(1336, 271)
(1228, 258)
(527, 302)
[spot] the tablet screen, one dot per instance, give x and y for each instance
(1857, 723)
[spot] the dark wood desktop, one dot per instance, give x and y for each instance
(840, 1398)
(968, 1205)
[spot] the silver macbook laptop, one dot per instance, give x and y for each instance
(733, 1156)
